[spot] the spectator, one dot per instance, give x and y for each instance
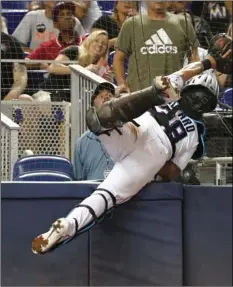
(155, 44)
(64, 21)
(91, 54)
(13, 75)
(87, 11)
(112, 24)
(91, 160)
(37, 27)
(201, 27)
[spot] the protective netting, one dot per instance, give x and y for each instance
(157, 51)
(44, 127)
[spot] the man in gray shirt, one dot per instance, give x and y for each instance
(92, 161)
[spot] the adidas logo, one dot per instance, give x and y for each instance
(159, 43)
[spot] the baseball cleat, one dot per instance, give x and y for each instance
(56, 234)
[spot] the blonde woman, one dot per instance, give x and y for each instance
(91, 54)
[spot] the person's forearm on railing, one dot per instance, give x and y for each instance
(59, 69)
(20, 82)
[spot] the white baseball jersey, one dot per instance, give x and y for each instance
(138, 157)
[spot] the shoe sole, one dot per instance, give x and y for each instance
(43, 243)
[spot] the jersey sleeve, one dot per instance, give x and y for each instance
(71, 52)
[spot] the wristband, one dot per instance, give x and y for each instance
(206, 64)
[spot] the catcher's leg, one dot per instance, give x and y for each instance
(121, 110)
(125, 180)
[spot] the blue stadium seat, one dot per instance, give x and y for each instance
(13, 18)
(10, 4)
(35, 163)
(43, 175)
(110, 60)
(227, 97)
(106, 5)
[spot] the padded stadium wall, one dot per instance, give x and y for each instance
(169, 234)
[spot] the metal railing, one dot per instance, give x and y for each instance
(83, 83)
(9, 147)
(216, 170)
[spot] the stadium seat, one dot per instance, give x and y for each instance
(227, 97)
(34, 163)
(106, 5)
(13, 18)
(43, 175)
(14, 4)
(110, 60)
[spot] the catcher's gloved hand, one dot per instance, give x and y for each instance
(220, 48)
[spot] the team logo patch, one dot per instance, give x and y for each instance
(40, 27)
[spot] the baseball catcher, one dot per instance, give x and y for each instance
(153, 131)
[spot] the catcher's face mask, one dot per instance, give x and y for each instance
(197, 100)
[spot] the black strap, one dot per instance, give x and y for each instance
(92, 212)
(135, 123)
(111, 195)
(105, 200)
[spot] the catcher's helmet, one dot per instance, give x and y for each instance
(199, 95)
(63, 5)
(103, 86)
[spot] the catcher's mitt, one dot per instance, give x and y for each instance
(220, 48)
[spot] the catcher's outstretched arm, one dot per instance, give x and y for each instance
(194, 69)
(220, 58)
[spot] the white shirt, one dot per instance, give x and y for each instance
(93, 14)
(36, 28)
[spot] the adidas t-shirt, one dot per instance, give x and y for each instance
(154, 47)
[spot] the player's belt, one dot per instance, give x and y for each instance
(163, 120)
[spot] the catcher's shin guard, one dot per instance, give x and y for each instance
(121, 110)
(95, 220)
